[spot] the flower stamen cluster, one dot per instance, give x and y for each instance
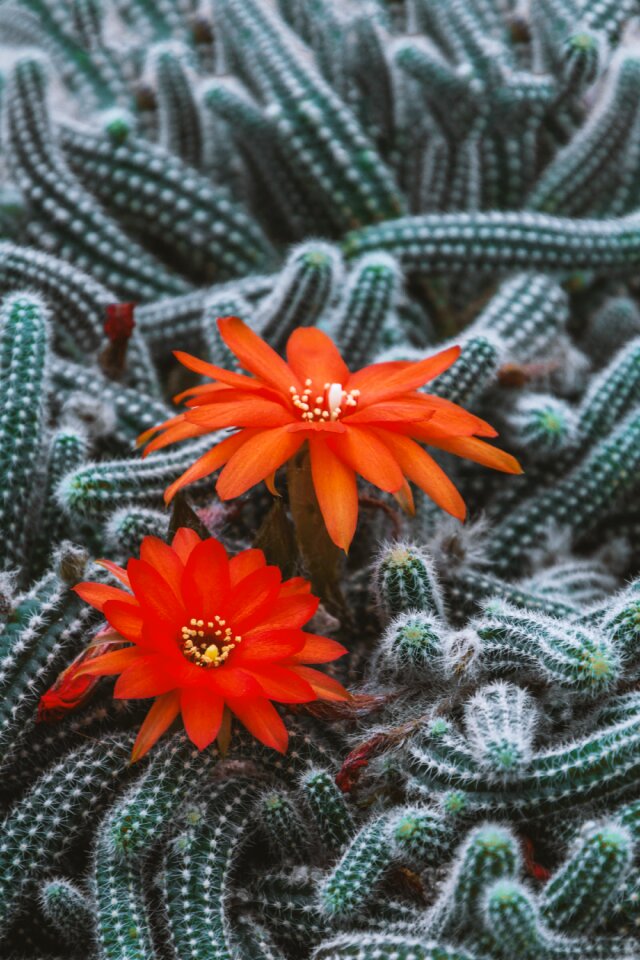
(329, 404)
(198, 644)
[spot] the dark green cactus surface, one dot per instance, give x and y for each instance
(404, 175)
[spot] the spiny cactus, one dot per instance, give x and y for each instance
(95, 489)
(79, 229)
(406, 579)
(405, 176)
(69, 910)
(577, 896)
(282, 824)
(500, 723)
(68, 449)
(46, 630)
(121, 921)
(198, 873)
(497, 242)
(352, 881)
(489, 853)
(304, 289)
(367, 304)
(54, 813)
(414, 643)
(328, 809)
(24, 339)
(575, 658)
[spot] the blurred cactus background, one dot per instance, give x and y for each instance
(403, 174)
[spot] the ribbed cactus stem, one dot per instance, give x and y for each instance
(353, 880)
(490, 241)
(24, 341)
(579, 894)
(406, 579)
(577, 658)
(328, 807)
(198, 873)
(69, 911)
(52, 814)
(122, 921)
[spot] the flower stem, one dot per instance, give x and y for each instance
(322, 559)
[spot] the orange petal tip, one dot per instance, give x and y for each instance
(270, 484)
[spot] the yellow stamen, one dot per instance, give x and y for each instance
(208, 654)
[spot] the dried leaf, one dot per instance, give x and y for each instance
(183, 515)
(276, 538)
(350, 771)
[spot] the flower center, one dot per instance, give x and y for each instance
(326, 406)
(207, 644)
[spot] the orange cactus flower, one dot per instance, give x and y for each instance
(370, 423)
(210, 633)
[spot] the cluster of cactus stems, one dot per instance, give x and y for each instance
(404, 175)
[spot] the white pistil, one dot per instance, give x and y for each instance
(334, 399)
(327, 406)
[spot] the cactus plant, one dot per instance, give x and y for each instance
(404, 178)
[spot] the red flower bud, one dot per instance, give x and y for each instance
(120, 321)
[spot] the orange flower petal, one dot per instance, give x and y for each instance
(368, 455)
(126, 618)
(263, 453)
(378, 384)
(477, 450)
(233, 683)
(165, 561)
(248, 412)
(318, 650)
(257, 356)
(263, 721)
(208, 463)
(422, 469)
(245, 563)
(270, 484)
(312, 354)
(266, 645)
(149, 676)
(404, 497)
(371, 375)
(252, 598)
(154, 594)
(388, 411)
(317, 427)
(218, 393)
(144, 437)
(294, 586)
(201, 390)
(108, 663)
(157, 721)
(455, 419)
(292, 611)
(282, 685)
(326, 687)
(336, 490)
(118, 572)
(201, 714)
(205, 582)
(216, 373)
(181, 430)
(97, 594)
(184, 540)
